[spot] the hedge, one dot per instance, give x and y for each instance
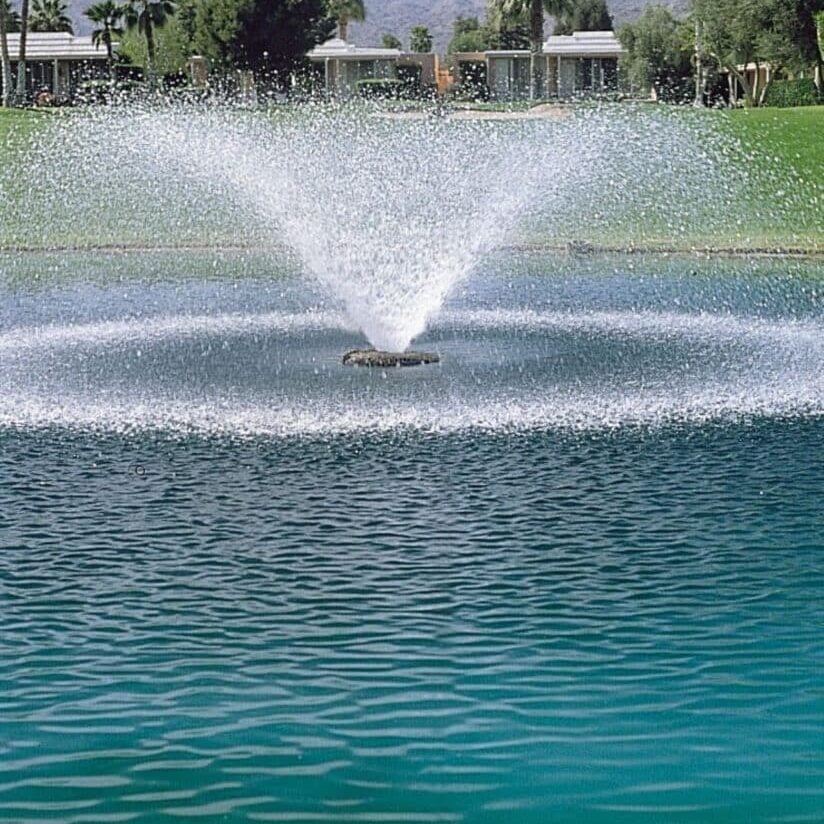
(786, 93)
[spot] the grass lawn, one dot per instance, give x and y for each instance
(18, 124)
(794, 137)
(783, 149)
(779, 170)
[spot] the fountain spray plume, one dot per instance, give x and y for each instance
(387, 213)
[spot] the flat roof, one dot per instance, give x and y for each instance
(578, 44)
(338, 49)
(56, 45)
(584, 44)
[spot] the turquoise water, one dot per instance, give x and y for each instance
(574, 574)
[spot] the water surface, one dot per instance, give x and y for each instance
(574, 574)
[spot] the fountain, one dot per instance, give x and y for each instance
(571, 572)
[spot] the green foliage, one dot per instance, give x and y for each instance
(106, 15)
(389, 41)
(377, 87)
(780, 32)
(274, 35)
(658, 56)
(585, 15)
(214, 30)
(342, 11)
(171, 52)
(49, 15)
(819, 23)
(420, 40)
(267, 36)
(12, 16)
(146, 15)
(507, 24)
(787, 93)
(467, 36)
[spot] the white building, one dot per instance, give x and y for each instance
(583, 63)
(57, 61)
(345, 65)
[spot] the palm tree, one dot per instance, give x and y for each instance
(148, 15)
(12, 17)
(343, 11)
(106, 14)
(535, 9)
(5, 77)
(21, 60)
(50, 15)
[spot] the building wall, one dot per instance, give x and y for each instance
(508, 77)
(581, 76)
(40, 74)
(428, 63)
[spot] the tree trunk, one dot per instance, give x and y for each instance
(21, 63)
(150, 53)
(343, 27)
(6, 60)
(536, 49)
(762, 96)
(756, 84)
(745, 85)
(109, 56)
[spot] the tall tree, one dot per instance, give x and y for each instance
(106, 15)
(657, 53)
(508, 25)
(12, 17)
(21, 60)
(420, 40)
(584, 15)
(5, 57)
(389, 41)
(468, 35)
(777, 33)
(146, 16)
(274, 35)
(535, 9)
(819, 69)
(342, 11)
(50, 15)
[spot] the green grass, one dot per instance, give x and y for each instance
(783, 152)
(18, 124)
(793, 137)
(776, 172)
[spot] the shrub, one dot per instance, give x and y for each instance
(799, 92)
(380, 88)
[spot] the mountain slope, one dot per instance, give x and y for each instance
(398, 17)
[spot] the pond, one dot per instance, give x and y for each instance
(573, 572)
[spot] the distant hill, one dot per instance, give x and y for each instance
(398, 16)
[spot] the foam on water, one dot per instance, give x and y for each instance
(73, 375)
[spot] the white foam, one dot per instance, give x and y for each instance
(781, 374)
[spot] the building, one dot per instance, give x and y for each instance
(57, 61)
(581, 64)
(345, 65)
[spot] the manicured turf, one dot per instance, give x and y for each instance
(780, 161)
(17, 124)
(793, 137)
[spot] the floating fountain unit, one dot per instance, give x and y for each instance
(383, 360)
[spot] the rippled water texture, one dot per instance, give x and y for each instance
(573, 574)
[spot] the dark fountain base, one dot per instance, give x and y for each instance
(373, 357)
